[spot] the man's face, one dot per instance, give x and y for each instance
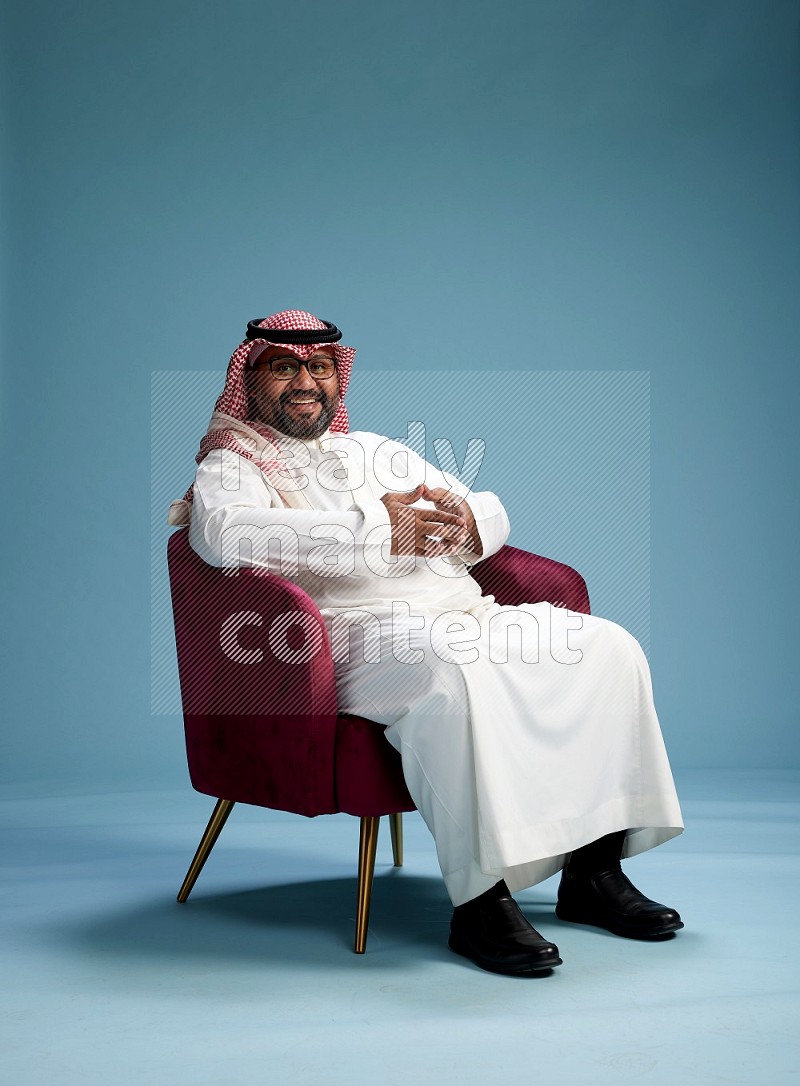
(302, 407)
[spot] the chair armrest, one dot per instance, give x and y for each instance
(514, 576)
(259, 713)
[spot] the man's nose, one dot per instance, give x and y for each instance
(303, 379)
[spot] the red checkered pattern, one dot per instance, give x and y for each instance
(234, 400)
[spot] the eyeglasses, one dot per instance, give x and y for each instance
(284, 369)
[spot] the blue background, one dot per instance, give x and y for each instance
(580, 186)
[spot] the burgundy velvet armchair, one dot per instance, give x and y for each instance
(262, 727)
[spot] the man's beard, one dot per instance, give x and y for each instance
(306, 428)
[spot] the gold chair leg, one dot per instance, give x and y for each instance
(396, 827)
(368, 843)
(207, 842)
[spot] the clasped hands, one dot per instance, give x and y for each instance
(430, 533)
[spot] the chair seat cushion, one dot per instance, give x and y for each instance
(369, 774)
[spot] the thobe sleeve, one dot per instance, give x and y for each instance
(236, 515)
(491, 518)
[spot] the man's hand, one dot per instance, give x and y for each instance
(412, 529)
(447, 501)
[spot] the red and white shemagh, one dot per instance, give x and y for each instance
(234, 402)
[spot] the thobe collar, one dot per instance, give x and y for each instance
(317, 457)
(311, 446)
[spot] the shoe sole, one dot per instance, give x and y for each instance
(617, 929)
(464, 950)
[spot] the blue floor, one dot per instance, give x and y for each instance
(108, 980)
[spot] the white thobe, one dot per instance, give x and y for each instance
(525, 732)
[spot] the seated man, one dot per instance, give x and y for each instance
(520, 767)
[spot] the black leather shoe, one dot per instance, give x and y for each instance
(492, 931)
(608, 899)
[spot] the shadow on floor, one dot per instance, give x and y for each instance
(300, 922)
